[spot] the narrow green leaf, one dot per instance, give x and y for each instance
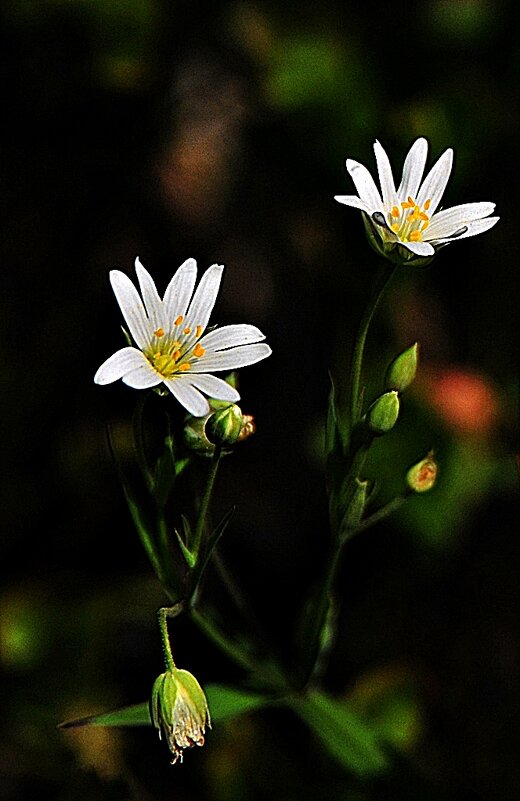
(145, 536)
(343, 733)
(135, 715)
(228, 702)
(188, 556)
(224, 703)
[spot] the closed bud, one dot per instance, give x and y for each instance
(401, 372)
(195, 437)
(422, 476)
(382, 415)
(356, 507)
(179, 711)
(225, 426)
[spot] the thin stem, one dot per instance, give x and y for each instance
(359, 347)
(197, 536)
(140, 450)
(162, 615)
(218, 638)
(385, 511)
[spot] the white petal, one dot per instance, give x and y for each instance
(386, 179)
(214, 387)
(179, 291)
(142, 377)
(121, 362)
(413, 169)
(232, 358)
(450, 220)
(152, 301)
(131, 307)
(419, 248)
(474, 228)
(354, 201)
(435, 182)
(365, 185)
(230, 336)
(187, 395)
(204, 298)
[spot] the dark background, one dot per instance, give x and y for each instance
(220, 131)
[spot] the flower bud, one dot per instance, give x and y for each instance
(401, 372)
(382, 415)
(422, 476)
(195, 437)
(179, 711)
(224, 427)
(356, 507)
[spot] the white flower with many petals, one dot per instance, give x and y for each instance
(172, 346)
(403, 224)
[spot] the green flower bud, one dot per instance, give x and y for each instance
(179, 711)
(224, 427)
(423, 475)
(356, 507)
(401, 372)
(382, 415)
(195, 436)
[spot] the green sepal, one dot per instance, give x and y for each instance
(342, 732)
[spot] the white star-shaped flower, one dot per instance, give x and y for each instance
(404, 224)
(172, 346)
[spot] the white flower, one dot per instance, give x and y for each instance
(407, 217)
(172, 347)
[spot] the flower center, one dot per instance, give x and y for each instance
(410, 221)
(170, 356)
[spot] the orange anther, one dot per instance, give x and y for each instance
(184, 366)
(159, 332)
(198, 331)
(187, 330)
(198, 350)
(179, 320)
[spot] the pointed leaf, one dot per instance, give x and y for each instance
(344, 734)
(228, 702)
(224, 702)
(135, 715)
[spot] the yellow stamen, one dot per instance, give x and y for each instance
(184, 366)
(415, 236)
(427, 204)
(395, 227)
(176, 354)
(187, 330)
(198, 331)
(159, 332)
(198, 350)
(179, 320)
(408, 204)
(395, 212)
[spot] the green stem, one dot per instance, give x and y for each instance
(359, 347)
(197, 536)
(137, 424)
(214, 634)
(162, 615)
(385, 511)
